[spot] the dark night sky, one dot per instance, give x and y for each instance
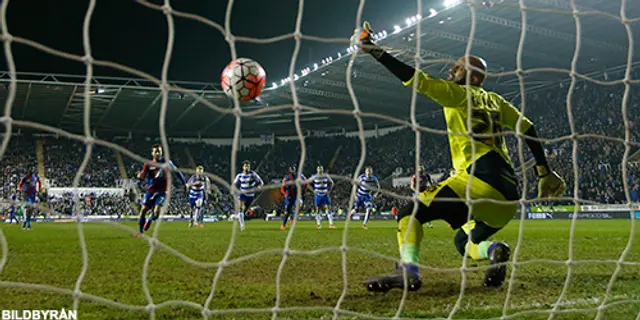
(129, 33)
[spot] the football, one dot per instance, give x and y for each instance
(243, 78)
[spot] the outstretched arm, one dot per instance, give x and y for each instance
(400, 69)
(445, 93)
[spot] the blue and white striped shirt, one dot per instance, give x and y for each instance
(321, 183)
(246, 181)
(367, 185)
(198, 191)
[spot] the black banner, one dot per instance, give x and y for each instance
(590, 215)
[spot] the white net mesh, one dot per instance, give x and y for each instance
(509, 310)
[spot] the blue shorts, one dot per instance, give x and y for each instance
(289, 201)
(364, 201)
(30, 199)
(246, 200)
(151, 200)
(322, 200)
(193, 201)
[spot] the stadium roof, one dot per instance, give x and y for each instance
(121, 105)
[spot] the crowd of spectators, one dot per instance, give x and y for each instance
(596, 166)
(63, 157)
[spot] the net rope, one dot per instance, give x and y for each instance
(165, 86)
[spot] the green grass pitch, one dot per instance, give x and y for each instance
(51, 255)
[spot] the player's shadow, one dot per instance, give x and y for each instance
(452, 289)
(441, 289)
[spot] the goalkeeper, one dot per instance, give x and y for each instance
(493, 177)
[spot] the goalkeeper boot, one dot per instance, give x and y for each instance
(498, 255)
(395, 280)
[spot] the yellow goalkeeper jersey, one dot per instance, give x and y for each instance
(490, 113)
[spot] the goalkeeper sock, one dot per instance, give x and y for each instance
(480, 251)
(409, 250)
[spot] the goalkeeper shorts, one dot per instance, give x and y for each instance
(493, 180)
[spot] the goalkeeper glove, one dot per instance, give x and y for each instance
(362, 38)
(549, 183)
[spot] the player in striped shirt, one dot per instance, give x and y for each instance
(29, 186)
(290, 192)
(199, 188)
(157, 185)
(246, 181)
(367, 184)
(425, 183)
(322, 185)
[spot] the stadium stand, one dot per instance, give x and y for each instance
(56, 101)
(595, 110)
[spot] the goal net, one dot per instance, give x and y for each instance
(567, 65)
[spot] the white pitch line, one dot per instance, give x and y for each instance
(469, 306)
(566, 303)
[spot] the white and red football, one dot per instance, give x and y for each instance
(243, 78)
